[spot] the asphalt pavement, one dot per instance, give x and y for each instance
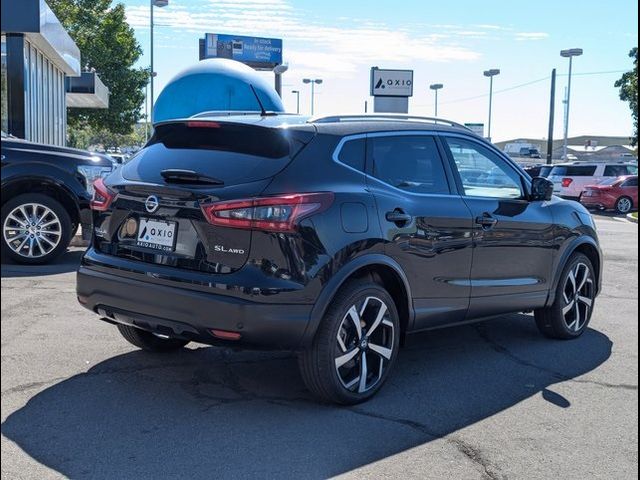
(488, 401)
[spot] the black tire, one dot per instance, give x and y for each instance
(551, 321)
(318, 363)
(150, 342)
(39, 257)
(624, 205)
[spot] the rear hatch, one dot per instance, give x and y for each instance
(156, 216)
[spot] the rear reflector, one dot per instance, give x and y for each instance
(102, 196)
(274, 214)
(566, 182)
(226, 335)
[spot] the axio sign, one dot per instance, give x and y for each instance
(391, 83)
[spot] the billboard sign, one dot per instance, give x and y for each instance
(391, 83)
(477, 128)
(257, 52)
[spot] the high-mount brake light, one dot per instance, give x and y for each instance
(102, 196)
(280, 213)
(202, 124)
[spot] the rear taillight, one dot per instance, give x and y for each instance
(102, 196)
(273, 214)
(566, 182)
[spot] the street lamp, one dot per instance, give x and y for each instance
(154, 3)
(435, 87)
(490, 73)
(297, 92)
(278, 71)
(570, 53)
(313, 82)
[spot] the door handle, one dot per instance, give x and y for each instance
(398, 217)
(486, 221)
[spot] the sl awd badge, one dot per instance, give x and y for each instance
(151, 204)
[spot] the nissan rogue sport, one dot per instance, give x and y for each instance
(335, 237)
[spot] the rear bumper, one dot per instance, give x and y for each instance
(191, 314)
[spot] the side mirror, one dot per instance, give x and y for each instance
(541, 189)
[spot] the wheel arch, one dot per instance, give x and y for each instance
(587, 246)
(380, 269)
(45, 186)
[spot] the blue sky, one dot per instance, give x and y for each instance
(443, 42)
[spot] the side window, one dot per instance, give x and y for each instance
(410, 162)
(483, 173)
(632, 182)
(616, 170)
(352, 154)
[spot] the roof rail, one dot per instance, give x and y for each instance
(222, 113)
(376, 117)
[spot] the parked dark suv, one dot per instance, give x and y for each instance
(334, 237)
(46, 190)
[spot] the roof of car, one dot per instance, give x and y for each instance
(333, 125)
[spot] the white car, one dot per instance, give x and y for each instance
(570, 179)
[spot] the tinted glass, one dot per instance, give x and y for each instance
(632, 182)
(411, 163)
(544, 171)
(573, 171)
(352, 154)
(483, 173)
(615, 170)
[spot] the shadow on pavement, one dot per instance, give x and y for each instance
(67, 262)
(213, 413)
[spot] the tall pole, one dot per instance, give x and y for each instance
(151, 54)
(146, 113)
(566, 114)
(552, 103)
(436, 112)
(312, 96)
(490, 103)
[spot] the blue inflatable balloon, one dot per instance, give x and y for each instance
(216, 84)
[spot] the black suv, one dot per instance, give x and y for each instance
(46, 191)
(335, 237)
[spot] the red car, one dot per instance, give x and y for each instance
(620, 194)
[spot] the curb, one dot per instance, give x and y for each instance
(631, 218)
(78, 240)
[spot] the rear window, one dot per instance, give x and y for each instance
(574, 171)
(632, 182)
(231, 153)
(544, 171)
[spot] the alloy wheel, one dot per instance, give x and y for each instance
(624, 205)
(32, 230)
(364, 345)
(578, 295)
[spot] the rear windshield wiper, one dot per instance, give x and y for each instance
(174, 175)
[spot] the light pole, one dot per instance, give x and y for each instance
(297, 92)
(278, 71)
(313, 82)
(435, 87)
(154, 3)
(490, 73)
(570, 53)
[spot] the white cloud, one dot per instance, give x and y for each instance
(521, 36)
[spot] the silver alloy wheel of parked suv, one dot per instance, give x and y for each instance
(32, 230)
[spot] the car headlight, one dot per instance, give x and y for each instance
(91, 173)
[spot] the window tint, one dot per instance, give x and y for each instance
(483, 173)
(574, 171)
(632, 182)
(615, 170)
(411, 163)
(352, 154)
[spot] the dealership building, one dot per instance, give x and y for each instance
(42, 74)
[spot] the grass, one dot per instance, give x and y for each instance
(635, 215)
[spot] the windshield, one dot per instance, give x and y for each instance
(609, 181)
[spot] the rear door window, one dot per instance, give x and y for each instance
(352, 154)
(409, 162)
(574, 171)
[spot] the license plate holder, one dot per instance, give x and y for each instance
(156, 234)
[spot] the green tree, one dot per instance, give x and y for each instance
(108, 45)
(628, 85)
